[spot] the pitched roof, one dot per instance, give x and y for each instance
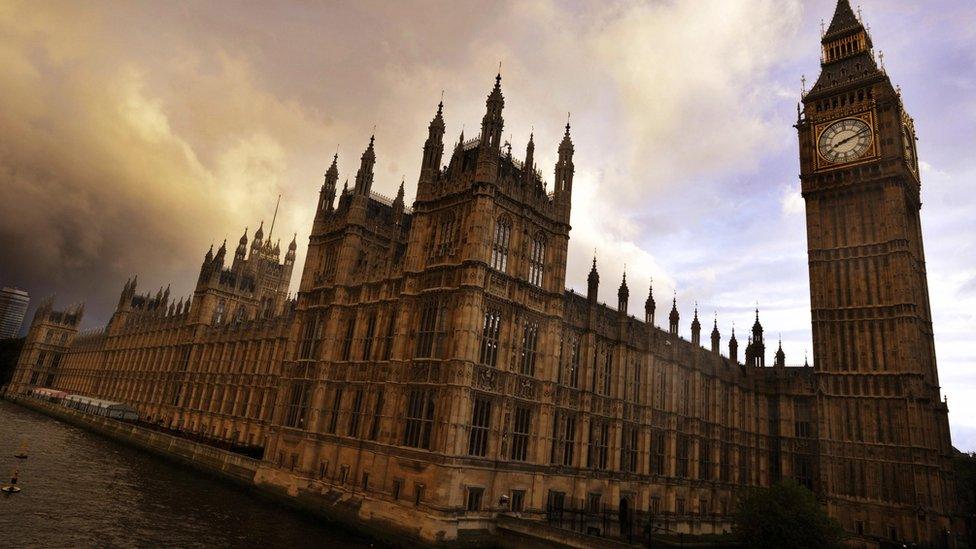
(843, 22)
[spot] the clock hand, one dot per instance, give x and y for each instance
(841, 142)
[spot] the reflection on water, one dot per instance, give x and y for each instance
(82, 490)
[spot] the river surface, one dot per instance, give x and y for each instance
(83, 490)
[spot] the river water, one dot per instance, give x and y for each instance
(83, 490)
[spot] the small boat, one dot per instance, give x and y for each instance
(10, 489)
(22, 451)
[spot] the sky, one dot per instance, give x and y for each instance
(138, 134)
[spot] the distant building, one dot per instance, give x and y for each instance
(13, 306)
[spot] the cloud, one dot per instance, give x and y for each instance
(137, 134)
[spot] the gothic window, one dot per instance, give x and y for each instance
(569, 375)
(637, 379)
(419, 419)
(474, 499)
(686, 396)
(355, 414)
(599, 444)
(480, 423)
(661, 390)
(499, 244)
(607, 372)
(429, 333)
(520, 433)
(297, 405)
(489, 337)
(658, 452)
(388, 338)
(706, 398)
(725, 463)
(308, 347)
(330, 268)
(803, 471)
(347, 340)
(564, 439)
(704, 460)
(334, 416)
(530, 335)
(684, 450)
(370, 334)
(537, 260)
(219, 311)
(802, 418)
(518, 502)
(374, 428)
(744, 465)
(628, 448)
(445, 236)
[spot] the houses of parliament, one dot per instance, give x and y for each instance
(433, 371)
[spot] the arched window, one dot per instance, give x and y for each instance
(537, 259)
(447, 233)
(218, 316)
(499, 244)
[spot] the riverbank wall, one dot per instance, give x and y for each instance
(221, 463)
(387, 522)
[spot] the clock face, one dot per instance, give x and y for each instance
(845, 140)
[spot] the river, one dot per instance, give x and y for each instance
(83, 490)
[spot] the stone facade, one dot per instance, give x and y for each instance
(435, 366)
(884, 459)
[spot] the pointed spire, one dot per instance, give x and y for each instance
(563, 186)
(756, 326)
(528, 169)
(674, 317)
(844, 22)
(258, 236)
(398, 205)
(328, 192)
(649, 305)
(492, 123)
(716, 337)
(696, 328)
(623, 294)
(364, 177)
(733, 346)
(593, 282)
(780, 360)
(430, 166)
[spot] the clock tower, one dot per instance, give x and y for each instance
(884, 445)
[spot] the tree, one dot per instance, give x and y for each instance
(784, 515)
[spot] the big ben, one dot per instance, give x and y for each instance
(883, 437)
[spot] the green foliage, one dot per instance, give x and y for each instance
(785, 515)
